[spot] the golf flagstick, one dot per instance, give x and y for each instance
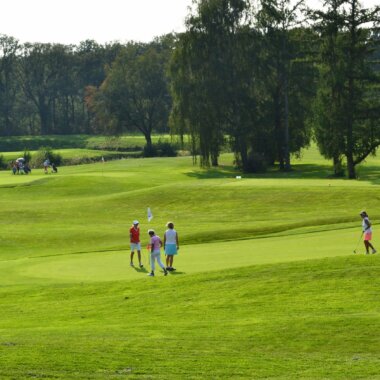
(150, 215)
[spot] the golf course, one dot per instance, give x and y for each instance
(266, 284)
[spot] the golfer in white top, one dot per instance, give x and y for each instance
(171, 245)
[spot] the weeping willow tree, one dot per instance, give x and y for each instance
(206, 80)
(348, 101)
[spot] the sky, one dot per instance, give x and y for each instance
(73, 21)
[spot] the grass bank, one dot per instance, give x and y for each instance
(266, 284)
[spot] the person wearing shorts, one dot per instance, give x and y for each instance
(134, 235)
(171, 245)
(155, 252)
(367, 231)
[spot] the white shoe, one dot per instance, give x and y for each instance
(151, 274)
(131, 264)
(374, 251)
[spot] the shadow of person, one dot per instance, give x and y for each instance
(141, 270)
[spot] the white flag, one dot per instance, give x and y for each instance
(150, 215)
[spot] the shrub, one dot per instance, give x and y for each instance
(150, 151)
(256, 163)
(3, 163)
(160, 149)
(27, 155)
(165, 149)
(45, 153)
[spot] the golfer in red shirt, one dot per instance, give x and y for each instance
(134, 235)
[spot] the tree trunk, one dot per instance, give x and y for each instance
(286, 125)
(44, 118)
(338, 170)
(148, 139)
(351, 167)
(278, 128)
(286, 150)
(54, 121)
(214, 160)
(44, 114)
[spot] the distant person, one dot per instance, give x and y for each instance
(54, 167)
(367, 230)
(14, 168)
(134, 236)
(171, 245)
(155, 252)
(20, 165)
(46, 166)
(21, 168)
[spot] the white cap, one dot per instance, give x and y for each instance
(135, 222)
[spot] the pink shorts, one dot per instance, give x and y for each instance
(368, 236)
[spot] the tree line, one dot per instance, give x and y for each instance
(273, 75)
(262, 78)
(42, 85)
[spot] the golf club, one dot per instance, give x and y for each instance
(357, 245)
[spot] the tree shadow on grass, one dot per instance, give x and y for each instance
(299, 171)
(222, 171)
(369, 173)
(309, 171)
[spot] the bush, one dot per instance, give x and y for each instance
(150, 151)
(45, 153)
(27, 155)
(161, 149)
(166, 149)
(256, 163)
(3, 163)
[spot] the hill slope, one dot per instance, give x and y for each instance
(266, 283)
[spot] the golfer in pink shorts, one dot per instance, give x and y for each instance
(367, 231)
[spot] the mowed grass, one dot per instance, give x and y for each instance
(310, 319)
(266, 283)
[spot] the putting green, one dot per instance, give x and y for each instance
(114, 265)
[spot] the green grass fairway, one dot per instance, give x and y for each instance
(88, 267)
(267, 285)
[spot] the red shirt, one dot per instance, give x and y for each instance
(135, 234)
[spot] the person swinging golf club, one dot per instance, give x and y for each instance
(155, 252)
(367, 231)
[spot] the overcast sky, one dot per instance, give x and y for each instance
(72, 21)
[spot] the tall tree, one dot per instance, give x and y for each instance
(9, 48)
(134, 95)
(211, 78)
(328, 107)
(40, 74)
(276, 19)
(349, 95)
